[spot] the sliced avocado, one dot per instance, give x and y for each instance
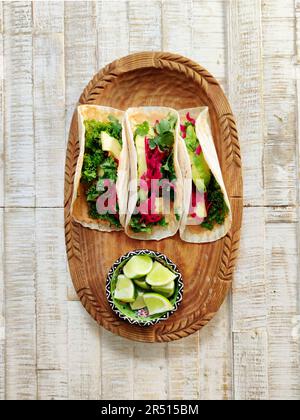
(141, 155)
(110, 144)
(141, 162)
(200, 170)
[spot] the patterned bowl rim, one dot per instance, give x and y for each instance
(156, 255)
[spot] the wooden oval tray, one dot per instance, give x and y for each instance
(169, 80)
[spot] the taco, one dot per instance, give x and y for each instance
(100, 191)
(207, 213)
(155, 197)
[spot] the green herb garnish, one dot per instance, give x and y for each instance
(218, 209)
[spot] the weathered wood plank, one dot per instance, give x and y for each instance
(2, 310)
(17, 17)
(112, 16)
(288, 214)
(20, 322)
(175, 38)
(249, 306)
(51, 286)
(49, 115)
(245, 90)
(144, 26)
(282, 275)
(183, 368)
(280, 165)
(52, 385)
(80, 36)
(48, 16)
(117, 367)
(150, 371)
(208, 39)
(216, 356)
(18, 120)
(249, 311)
(251, 365)
(1, 123)
(84, 365)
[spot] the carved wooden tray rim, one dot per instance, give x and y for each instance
(230, 160)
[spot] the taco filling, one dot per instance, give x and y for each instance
(103, 145)
(208, 206)
(156, 174)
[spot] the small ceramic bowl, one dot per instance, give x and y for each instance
(140, 317)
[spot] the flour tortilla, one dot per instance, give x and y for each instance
(196, 233)
(134, 116)
(79, 205)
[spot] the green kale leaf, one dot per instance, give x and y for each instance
(142, 129)
(218, 209)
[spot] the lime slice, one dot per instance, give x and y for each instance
(156, 303)
(139, 302)
(167, 290)
(124, 289)
(160, 275)
(138, 266)
(142, 284)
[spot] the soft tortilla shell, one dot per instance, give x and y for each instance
(79, 205)
(134, 116)
(192, 233)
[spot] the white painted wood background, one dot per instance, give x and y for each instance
(49, 347)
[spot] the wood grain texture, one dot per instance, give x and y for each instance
(51, 310)
(18, 138)
(218, 259)
(49, 113)
(79, 35)
(280, 171)
(283, 316)
(84, 360)
(20, 315)
(245, 89)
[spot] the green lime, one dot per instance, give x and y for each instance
(142, 284)
(160, 275)
(125, 290)
(139, 302)
(156, 303)
(138, 266)
(167, 290)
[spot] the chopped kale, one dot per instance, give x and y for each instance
(218, 209)
(138, 225)
(111, 218)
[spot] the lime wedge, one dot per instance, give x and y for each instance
(142, 284)
(138, 266)
(156, 303)
(124, 289)
(167, 290)
(139, 302)
(160, 275)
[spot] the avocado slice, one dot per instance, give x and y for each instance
(201, 173)
(110, 144)
(141, 155)
(141, 162)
